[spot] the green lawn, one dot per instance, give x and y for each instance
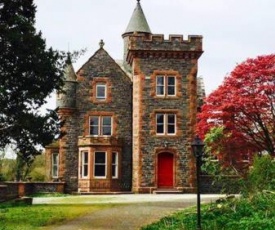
(32, 217)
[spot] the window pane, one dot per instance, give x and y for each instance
(94, 131)
(94, 125)
(55, 158)
(84, 163)
(85, 158)
(160, 129)
(171, 86)
(114, 171)
(114, 158)
(55, 171)
(171, 90)
(171, 129)
(171, 80)
(160, 80)
(85, 170)
(106, 131)
(160, 123)
(107, 120)
(160, 85)
(160, 90)
(55, 165)
(171, 119)
(171, 126)
(100, 164)
(114, 164)
(160, 118)
(94, 121)
(106, 126)
(100, 170)
(100, 157)
(101, 91)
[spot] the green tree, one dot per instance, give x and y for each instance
(2, 155)
(38, 170)
(8, 169)
(29, 72)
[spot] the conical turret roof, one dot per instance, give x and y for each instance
(138, 22)
(69, 72)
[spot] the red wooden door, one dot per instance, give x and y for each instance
(165, 170)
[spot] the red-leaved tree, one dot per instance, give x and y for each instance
(244, 106)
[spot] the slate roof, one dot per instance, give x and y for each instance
(69, 72)
(138, 22)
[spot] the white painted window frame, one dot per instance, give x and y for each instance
(115, 164)
(165, 124)
(101, 85)
(100, 126)
(55, 165)
(82, 163)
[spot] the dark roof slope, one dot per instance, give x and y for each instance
(138, 22)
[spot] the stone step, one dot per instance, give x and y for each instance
(167, 191)
(100, 193)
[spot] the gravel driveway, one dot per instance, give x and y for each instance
(138, 210)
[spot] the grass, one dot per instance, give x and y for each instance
(256, 213)
(32, 217)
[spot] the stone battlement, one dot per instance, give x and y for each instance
(158, 42)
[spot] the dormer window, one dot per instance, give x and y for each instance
(101, 91)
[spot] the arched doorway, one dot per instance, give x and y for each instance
(165, 170)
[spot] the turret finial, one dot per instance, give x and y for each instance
(138, 1)
(101, 44)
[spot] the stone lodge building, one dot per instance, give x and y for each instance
(129, 125)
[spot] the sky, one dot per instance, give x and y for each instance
(232, 30)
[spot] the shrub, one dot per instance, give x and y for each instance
(261, 175)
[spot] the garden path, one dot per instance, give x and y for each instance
(136, 210)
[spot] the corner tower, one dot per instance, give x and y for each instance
(67, 99)
(164, 105)
(66, 104)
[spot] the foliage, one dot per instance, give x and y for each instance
(261, 175)
(254, 212)
(38, 169)
(22, 217)
(212, 138)
(227, 214)
(243, 108)
(34, 171)
(2, 155)
(9, 169)
(29, 72)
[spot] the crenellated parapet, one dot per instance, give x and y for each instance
(156, 46)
